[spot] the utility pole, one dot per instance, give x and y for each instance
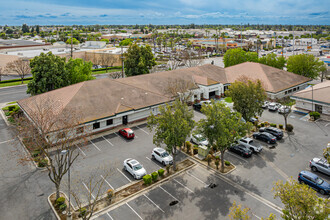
(122, 62)
(71, 42)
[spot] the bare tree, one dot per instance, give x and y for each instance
(174, 62)
(52, 130)
(191, 59)
(1, 72)
(180, 88)
(20, 66)
(87, 192)
(115, 75)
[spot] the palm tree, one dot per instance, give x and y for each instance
(159, 42)
(164, 41)
(171, 41)
(216, 40)
(223, 35)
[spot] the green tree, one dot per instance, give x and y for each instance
(172, 126)
(248, 97)
(48, 73)
(251, 57)
(25, 28)
(326, 153)
(273, 60)
(126, 42)
(75, 41)
(78, 70)
(300, 201)
(105, 40)
(237, 213)
(138, 60)
(37, 29)
(238, 55)
(306, 65)
(222, 127)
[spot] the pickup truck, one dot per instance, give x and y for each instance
(250, 144)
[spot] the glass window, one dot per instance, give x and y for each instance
(109, 122)
(96, 125)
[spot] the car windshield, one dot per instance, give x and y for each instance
(137, 167)
(319, 181)
(165, 154)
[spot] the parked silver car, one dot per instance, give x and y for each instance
(320, 165)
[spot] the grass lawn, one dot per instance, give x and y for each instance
(13, 83)
(228, 100)
(11, 102)
(104, 71)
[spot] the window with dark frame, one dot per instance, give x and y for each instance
(96, 125)
(109, 122)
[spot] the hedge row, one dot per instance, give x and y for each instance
(109, 68)
(15, 80)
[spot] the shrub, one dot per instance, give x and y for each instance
(273, 125)
(227, 163)
(35, 153)
(11, 108)
(62, 207)
(7, 113)
(209, 159)
(168, 168)
(280, 126)
(110, 194)
(266, 123)
(82, 212)
(42, 163)
(217, 158)
(188, 146)
(154, 176)
(195, 151)
(217, 162)
(60, 201)
(11, 120)
(316, 115)
(289, 127)
(259, 126)
(161, 172)
(147, 179)
(262, 124)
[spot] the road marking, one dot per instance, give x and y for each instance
(95, 146)
(107, 141)
(124, 175)
(143, 130)
(7, 141)
(107, 182)
(237, 157)
(134, 211)
(136, 136)
(327, 125)
(197, 178)
(116, 134)
(154, 203)
(88, 190)
(278, 170)
(155, 163)
(81, 150)
(256, 216)
(183, 186)
(168, 193)
(109, 216)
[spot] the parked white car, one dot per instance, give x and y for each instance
(134, 168)
(283, 109)
(250, 144)
(272, 106)
(161, 156)
(199, 139)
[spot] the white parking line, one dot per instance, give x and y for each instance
(155, 163)
(81, 150)
(109, 216)
(197, 178)
(116, 134)
(168, 193)
(124, 175)
(184, 186)
(154, 203)
(107, 141)
(237, 157)
(95, 146)
(107, 182)
(256, 216)
(143, 130)
(88, 190)
(327, 125)
(7, 141)
(134, 211)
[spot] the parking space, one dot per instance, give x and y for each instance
(189, 196)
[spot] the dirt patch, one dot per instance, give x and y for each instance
(227, 169)
(59, 213)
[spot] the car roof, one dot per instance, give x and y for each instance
(127, 129)
(247, 139)
(314, 176)
(133, 162)
(320, 160)
(160, 150)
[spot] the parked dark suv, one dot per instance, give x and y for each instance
(274, 131)
(314, 182)
(265, 136)
(241, 150)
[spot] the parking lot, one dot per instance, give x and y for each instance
(250, 184)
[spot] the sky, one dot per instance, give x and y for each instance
(85, 12)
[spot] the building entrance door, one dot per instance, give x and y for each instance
(125, 120)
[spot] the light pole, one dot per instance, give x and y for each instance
(312, 99)
(63, 153)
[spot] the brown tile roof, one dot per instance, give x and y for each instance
(320, 92)
(96, 99)
(273, 79)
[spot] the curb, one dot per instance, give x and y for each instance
(196, 160)
(51, 205)
(12, 86)
(4, 117)
(137, 194)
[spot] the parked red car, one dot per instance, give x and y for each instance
(127, 133)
